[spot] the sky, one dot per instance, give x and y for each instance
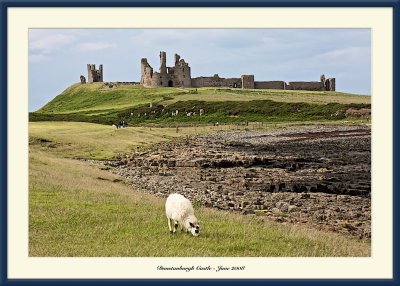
(57, 57)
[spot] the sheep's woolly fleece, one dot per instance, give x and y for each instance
(178, 207)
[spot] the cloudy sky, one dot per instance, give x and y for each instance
(57, 57)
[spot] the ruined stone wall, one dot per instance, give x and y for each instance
(163, 63)
(216, 81)
(153, 79)
(248, 81)
(158, 80)
(330, 84)
(176, 76)
(146, 73)
(127, 83)
(93, 74)
(180, 73)
(270, 84)
(305, 85)
(162, 78)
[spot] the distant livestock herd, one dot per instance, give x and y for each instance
(122, 124)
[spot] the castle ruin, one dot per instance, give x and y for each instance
(176, 76)
(93, 74)
(179, 76)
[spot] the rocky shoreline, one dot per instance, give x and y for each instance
(318, 175)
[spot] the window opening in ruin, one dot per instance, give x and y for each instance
(170, 83)
(235, 85)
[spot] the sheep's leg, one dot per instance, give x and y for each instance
(169, 225)
(181, 227)
(175, 226)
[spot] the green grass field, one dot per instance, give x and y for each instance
(94, 99)
(79, 209)
(93, 103)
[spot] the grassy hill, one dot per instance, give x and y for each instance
(85, 210)
(98, 104)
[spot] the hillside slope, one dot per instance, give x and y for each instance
(134, 104)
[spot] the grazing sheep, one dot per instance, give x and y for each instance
(180, 210)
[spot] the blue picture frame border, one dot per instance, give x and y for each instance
(4, 4)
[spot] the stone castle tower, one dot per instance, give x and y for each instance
(176, 76)
(93, 74)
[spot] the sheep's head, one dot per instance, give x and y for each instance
(192, 225)
(195, 229)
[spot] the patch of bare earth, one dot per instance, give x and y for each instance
(362, 112)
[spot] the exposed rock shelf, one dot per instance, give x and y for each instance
(314, 175)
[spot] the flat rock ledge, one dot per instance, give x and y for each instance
(318, 176)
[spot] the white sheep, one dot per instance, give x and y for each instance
(180, 210)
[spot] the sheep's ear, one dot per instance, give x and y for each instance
(191, 224)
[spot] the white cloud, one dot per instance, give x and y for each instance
(95, 46)
(47, 43)
(346, 56)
